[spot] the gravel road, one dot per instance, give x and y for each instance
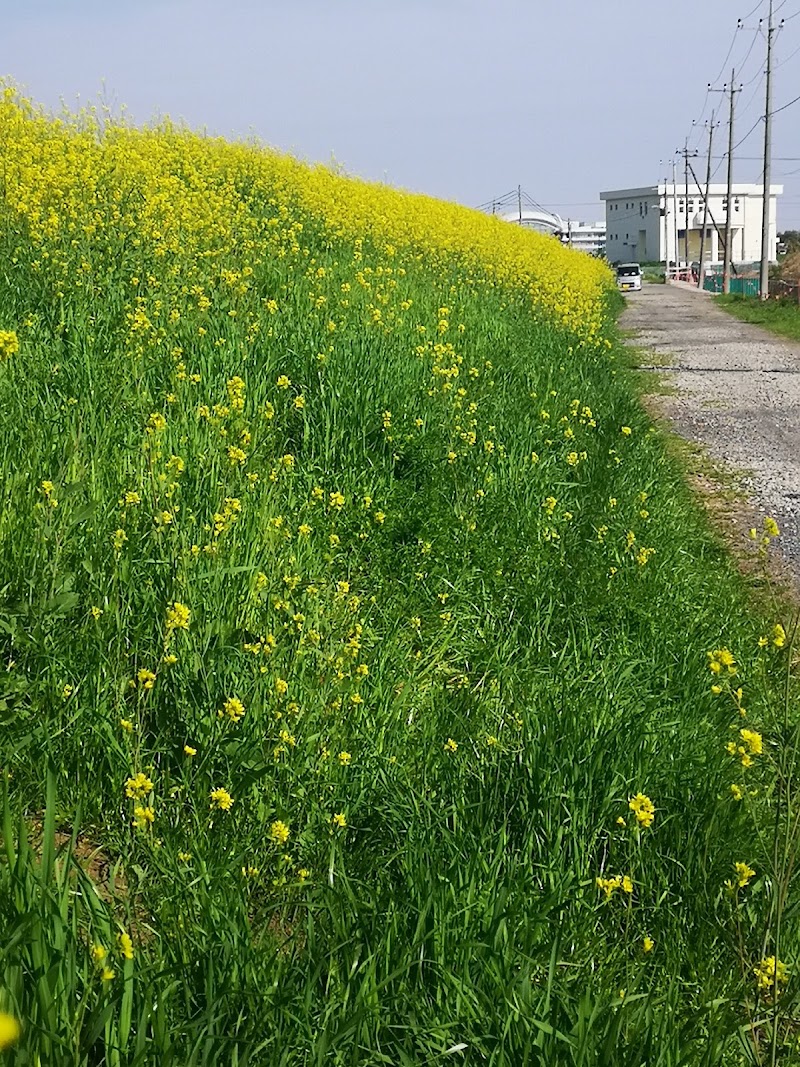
(737, 393)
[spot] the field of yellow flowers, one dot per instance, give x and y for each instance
(371, 690)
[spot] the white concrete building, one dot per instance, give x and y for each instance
(642, 224)
(585, 236)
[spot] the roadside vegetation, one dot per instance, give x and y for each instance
(372, 689)
(779, 316)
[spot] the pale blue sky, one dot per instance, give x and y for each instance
(457, 98)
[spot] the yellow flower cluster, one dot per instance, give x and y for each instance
(642, 808)
(744, 873)
(721, 661)
(751, 745)
(771, 973)
(611, 885)
(9, 344)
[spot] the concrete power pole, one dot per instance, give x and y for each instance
(764, 284)
(705, 204)
(726, 268)
(686, 202)
(675, 213)
(727, 248)
(686, 154)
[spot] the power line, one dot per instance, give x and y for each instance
(761, 76)
(744, 61)
(741, 142)
(755, 124)
(790, 56)
(779, 109)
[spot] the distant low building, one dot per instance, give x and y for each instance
(644, 224)
(585, 236)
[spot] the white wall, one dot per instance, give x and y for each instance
(630, 211)
(627, 216)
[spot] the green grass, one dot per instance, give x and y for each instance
(531, 589)
(781, 317)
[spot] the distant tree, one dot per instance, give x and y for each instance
(790, 239)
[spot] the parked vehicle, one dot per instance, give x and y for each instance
(629, 276)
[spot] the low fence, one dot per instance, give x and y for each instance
(746, 283)
(743, 286)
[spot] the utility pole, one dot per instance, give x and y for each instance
(726, 268)
(663, 207)
(675, 214)
(764, 286)
(686, 154)
(727, 250)
(710, 212)
(705, 204)
(686, 202)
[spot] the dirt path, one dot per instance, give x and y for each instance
(737, 393)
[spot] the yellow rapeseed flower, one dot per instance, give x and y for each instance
(146, 678)
(143, 817)
(608, 885)
(770, 975)
(743, 874)
(221, 798)
(642, 808)
(721, 661)
(233, 708)
(138, 787)
(178, 616)
(125, 945)
(279, 833)
(752, 741)
(9, 346)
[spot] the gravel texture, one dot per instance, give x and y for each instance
(737, 393)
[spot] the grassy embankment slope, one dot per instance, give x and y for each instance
(348, 598)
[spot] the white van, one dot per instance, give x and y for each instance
(629, 276)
